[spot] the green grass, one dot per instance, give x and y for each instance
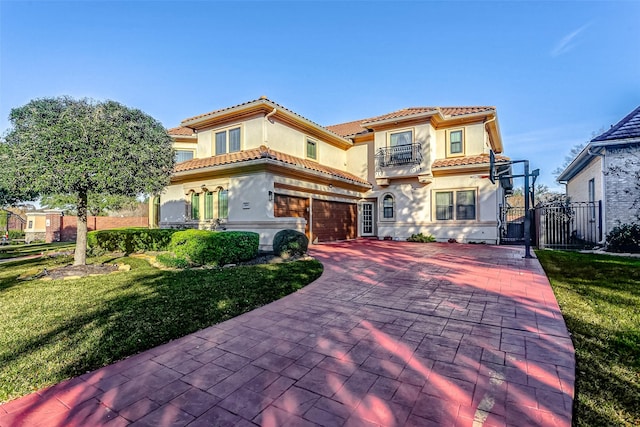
(53, 330)
(15, 251)
(599, 296)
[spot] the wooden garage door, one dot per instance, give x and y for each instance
(334, 221)
(289, 206)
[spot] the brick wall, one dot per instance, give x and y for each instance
(622, 174)
(64, 228)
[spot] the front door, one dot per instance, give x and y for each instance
(367, 219)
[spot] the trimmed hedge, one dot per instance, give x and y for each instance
(290, 243)
(130, 240)
(202, 247)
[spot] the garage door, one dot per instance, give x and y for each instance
(289, 206)
(334, 220)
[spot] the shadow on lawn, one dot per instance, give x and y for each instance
(391, 334)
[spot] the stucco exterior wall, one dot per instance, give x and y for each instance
(474, 139)
(415, 210)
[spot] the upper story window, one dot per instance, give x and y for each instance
(183, 155)
(400, 150)
(227, 141)
(464, 207)
(401, 138)
(455, 145)
(312, 149)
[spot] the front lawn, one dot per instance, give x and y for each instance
(599, 296)
(53, 330)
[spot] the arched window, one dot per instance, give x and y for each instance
(223, 203)
(388, 206)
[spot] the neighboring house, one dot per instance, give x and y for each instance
(261, 167)
(608, 170)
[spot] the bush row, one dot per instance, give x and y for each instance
(185, 247)
(130, 240)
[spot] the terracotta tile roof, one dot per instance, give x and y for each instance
(358, 126)
(180, 130)
(465, 161)
(348, 129)
(264, 153)
(263, 99)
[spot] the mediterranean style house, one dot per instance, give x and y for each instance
(261, 167)
(608, 169)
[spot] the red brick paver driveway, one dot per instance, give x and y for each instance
(392, 334)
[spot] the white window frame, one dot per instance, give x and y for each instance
(454, 192)
(393, 207)
(227, 141)
(397, 131)
(193, 153)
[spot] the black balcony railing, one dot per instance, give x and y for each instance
(410, 154)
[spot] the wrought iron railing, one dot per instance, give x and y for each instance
(399, 155)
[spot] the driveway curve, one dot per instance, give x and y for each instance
(392, 334)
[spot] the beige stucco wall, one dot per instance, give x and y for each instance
(37, 220)
(474, 137)
(415, 210)
(578, 186)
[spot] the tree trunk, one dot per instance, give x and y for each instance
(80, 256)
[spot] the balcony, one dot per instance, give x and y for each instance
(410, 154)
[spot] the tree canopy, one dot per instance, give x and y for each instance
(85, 147)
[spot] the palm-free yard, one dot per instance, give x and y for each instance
(599, 296)
(57, 329)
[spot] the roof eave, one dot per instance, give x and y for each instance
(266, 106)
(393, 120)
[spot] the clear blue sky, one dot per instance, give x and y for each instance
(556, 71)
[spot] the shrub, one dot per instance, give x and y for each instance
(202, 247)
(170, 260)
(421, 238)
(290, 243)
(16, 234)
(129, 240)
(624, 238)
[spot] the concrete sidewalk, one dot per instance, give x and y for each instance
(392, 334)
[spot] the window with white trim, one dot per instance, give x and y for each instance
(455, 205)
(388, 207)
(183, 155)
(227, 141)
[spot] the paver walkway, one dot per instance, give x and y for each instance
(392, 334)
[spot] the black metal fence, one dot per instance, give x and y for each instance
(575, 225)
(512, 225)
(399, 155)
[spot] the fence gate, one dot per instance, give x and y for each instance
(512, 225)
(569, 226)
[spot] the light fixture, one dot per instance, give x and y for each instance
(270, 195)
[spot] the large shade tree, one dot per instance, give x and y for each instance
(85, 147)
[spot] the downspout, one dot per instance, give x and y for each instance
(265, 130)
